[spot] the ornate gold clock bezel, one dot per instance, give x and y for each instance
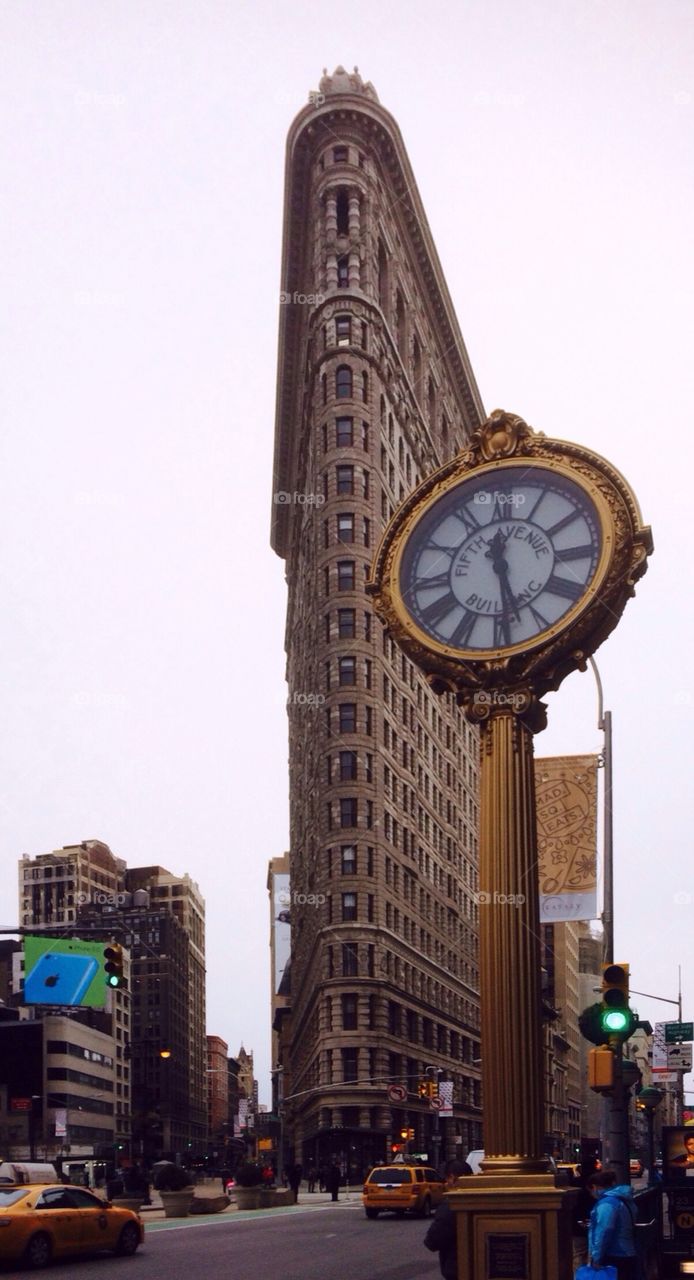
(502, 444)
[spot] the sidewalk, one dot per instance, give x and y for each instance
(154, 1212)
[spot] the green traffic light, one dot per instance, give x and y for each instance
(616, 1020)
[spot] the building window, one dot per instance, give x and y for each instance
(349, 906)
(365, 436)
(343, 382)
(348, 853)
(365, 387)
(340, 155)
(350, 1071)
(344, 476)
(347, 668)
(349, 1012)
(324, 434)
(343, 272)
(324, 388)
(347, 712)
(365, 481)
(348, 766)
(366, 529)
(367, 626)
(342, 212)
(350, 960)
(345, 575)
(349, 811)
(346, 624)
(344, 433)
(368, 767)
(367, 672)
(364, 335)
(345, 527)
(343, 330)
(369, 721)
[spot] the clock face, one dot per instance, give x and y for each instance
(501, 558)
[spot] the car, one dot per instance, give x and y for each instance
(401, 1189)
(571, 1168)
(43, 1221)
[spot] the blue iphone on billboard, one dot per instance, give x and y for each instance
(64, 971)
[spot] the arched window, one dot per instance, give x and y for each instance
(343, 272)
(343, 381)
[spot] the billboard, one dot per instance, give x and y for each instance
(281, 924)
(678, 1153)
(64, 971)
(567, 808)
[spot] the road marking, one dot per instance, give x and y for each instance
(248, 1215)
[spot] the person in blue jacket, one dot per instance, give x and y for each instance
(611, 1227)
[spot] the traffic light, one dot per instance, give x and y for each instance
(423, 1088)
(410, 1134)
(601, 1069)
(616, 1017)
(404, 1135)
(113, 965)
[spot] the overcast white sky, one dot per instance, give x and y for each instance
(142, 611)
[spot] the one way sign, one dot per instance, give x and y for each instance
(679, 1057)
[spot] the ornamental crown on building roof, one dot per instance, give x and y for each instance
(342, 81)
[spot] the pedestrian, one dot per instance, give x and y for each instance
(442, 1235)
(311, 1176)
(582, 1209)
(611, 1240)
(294, 1179)
(321, 1177)
(333, 1178)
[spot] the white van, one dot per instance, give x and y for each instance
(22, 1172)
(474, 1159)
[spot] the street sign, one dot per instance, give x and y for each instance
(679, 1057)
(676, 1031)
(436, 1103)
(396, 1093)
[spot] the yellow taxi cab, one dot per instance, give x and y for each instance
(402, 1188)
(40, 1222)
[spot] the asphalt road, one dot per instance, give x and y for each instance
(303, 1243)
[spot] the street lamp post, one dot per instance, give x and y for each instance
(648, 1100)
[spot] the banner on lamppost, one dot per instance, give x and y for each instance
(445, 1099)
(567, 807)
(659, 1062)
(60, 1117)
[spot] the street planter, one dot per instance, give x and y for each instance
(249, 1197)
(174, 1186)
(275, 1197)
(177, 1203)
(209, 1204)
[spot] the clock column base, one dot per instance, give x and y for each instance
(516, 1226)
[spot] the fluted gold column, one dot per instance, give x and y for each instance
(511, 1007)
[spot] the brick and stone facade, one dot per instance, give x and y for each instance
(374, 391)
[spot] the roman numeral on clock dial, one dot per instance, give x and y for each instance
(567, 588)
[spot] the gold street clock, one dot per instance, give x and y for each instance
(512, 563)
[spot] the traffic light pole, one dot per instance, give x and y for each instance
(616, 1121)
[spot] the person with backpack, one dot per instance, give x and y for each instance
(611, 1240)
(441, 1237)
